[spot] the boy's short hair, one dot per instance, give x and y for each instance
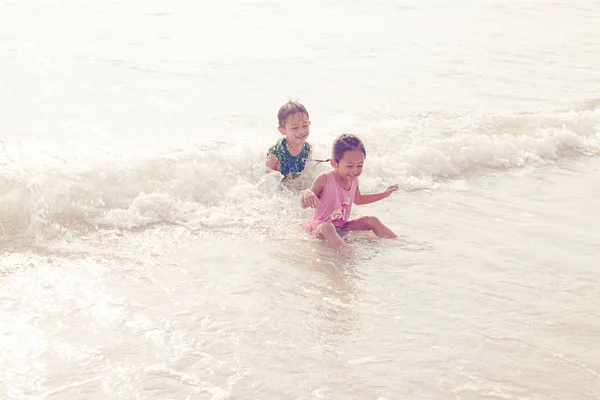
(290, 108)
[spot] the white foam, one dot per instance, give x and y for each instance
(215, 184)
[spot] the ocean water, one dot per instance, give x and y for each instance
(146, 254)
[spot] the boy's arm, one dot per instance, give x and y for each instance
(360, 198)
(310, 197)
(273, 162)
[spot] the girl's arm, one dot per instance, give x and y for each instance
(310, 197)
(360, 198)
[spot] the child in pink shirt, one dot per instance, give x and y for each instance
(333, 193)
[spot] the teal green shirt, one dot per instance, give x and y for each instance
(288, 164)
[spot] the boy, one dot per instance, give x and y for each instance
(290, 154)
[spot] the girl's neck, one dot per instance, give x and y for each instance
(343, 183)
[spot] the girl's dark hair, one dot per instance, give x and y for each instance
(342, 144)
(288, 109)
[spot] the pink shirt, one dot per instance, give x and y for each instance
(335, 206)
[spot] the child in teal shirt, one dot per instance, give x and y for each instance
(291, 153)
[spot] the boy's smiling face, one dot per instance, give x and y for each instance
(296, 129)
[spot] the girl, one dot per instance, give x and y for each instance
(333, 193)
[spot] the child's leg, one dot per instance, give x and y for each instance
(370, 224)
(329, 232)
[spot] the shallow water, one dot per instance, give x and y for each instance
(504, 307)
(145, 254)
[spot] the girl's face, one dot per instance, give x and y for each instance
(350, 166)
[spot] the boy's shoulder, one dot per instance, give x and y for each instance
(277, 147)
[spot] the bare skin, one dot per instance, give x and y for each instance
(329, 232)
(370, 224)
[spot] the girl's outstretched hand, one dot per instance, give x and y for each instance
(390, 190)
(309, 199)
